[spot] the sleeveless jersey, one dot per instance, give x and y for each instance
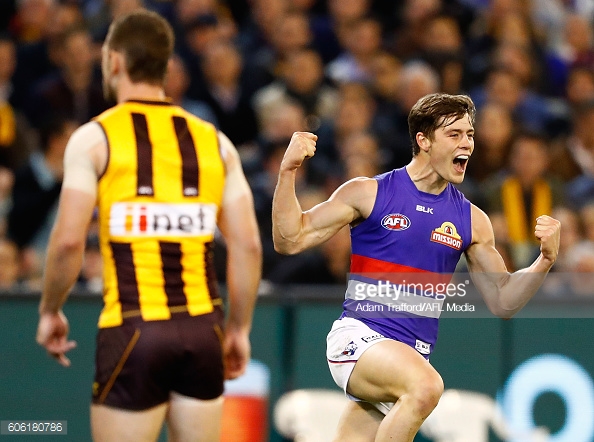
(158, 202)
(403, 257)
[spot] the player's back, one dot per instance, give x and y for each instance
(158, 202)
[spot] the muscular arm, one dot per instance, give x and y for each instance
(506, 293)
(294, 230)
(85, 155)
(77, 201)
(237, 222)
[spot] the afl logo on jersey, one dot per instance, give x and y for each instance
(395, 221)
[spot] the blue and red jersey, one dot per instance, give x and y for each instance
(410, 243)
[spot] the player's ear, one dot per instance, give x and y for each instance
(423, 141)
(117, 62)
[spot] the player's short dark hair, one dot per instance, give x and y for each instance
(146, 39)
(436, 110)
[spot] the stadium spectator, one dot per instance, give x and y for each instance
(75, 91)
(330, 29)
(580, 270)
(302, 80)
(227, 94)
(177, 82)
(37, 187)
(269, 62)
(573, 156)
(442, 47)
(360, 45)
(361, 156)
(494, 133)
(407, 42)
(530, 110)
(354, 114)
(198, 35)
(257, 32)
(526, 192)
(41, 58)
(16, 138)
(579, 87)
(578, 36)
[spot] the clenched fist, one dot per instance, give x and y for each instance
(547, 231)
(302, 145)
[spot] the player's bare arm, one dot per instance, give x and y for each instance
(244, 260)
(506, 293)
(294, 230)
(82, 161)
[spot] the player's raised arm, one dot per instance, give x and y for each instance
(294, 230)
(505, 294)
(244, 260)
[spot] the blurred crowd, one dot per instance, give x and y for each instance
(348, 70)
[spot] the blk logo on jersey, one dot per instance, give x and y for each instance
(395, 221)
(447, 235)
(424, 209)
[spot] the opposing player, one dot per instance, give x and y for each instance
(409, 221)
(163, 181)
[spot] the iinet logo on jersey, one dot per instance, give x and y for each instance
(158, 219)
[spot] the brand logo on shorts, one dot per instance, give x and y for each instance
(447, 235)
(395, 221)
(350, 349)
(371, 338)
(423, 347)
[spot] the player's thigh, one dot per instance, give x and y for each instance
(109, 424)
(389, 369)
(194, 420)
(358, 423)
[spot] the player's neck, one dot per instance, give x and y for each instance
(424, 177)
(140, 91)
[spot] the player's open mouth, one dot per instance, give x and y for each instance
(460, 163)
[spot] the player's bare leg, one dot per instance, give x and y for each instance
(359, 423)
(116, 425)
(391, 371)
(194, 420)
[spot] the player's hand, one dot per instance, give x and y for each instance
(302, 145)
(52, 333)
(236, 352)
(548, 231)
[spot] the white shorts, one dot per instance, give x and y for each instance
(347, 341)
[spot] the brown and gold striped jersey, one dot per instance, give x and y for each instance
(158, 202)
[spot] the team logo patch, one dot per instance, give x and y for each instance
(350, 349)
(447, 235)
(395, 221)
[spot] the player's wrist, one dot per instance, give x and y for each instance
(285, 169)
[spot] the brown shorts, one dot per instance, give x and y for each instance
(138, 364)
